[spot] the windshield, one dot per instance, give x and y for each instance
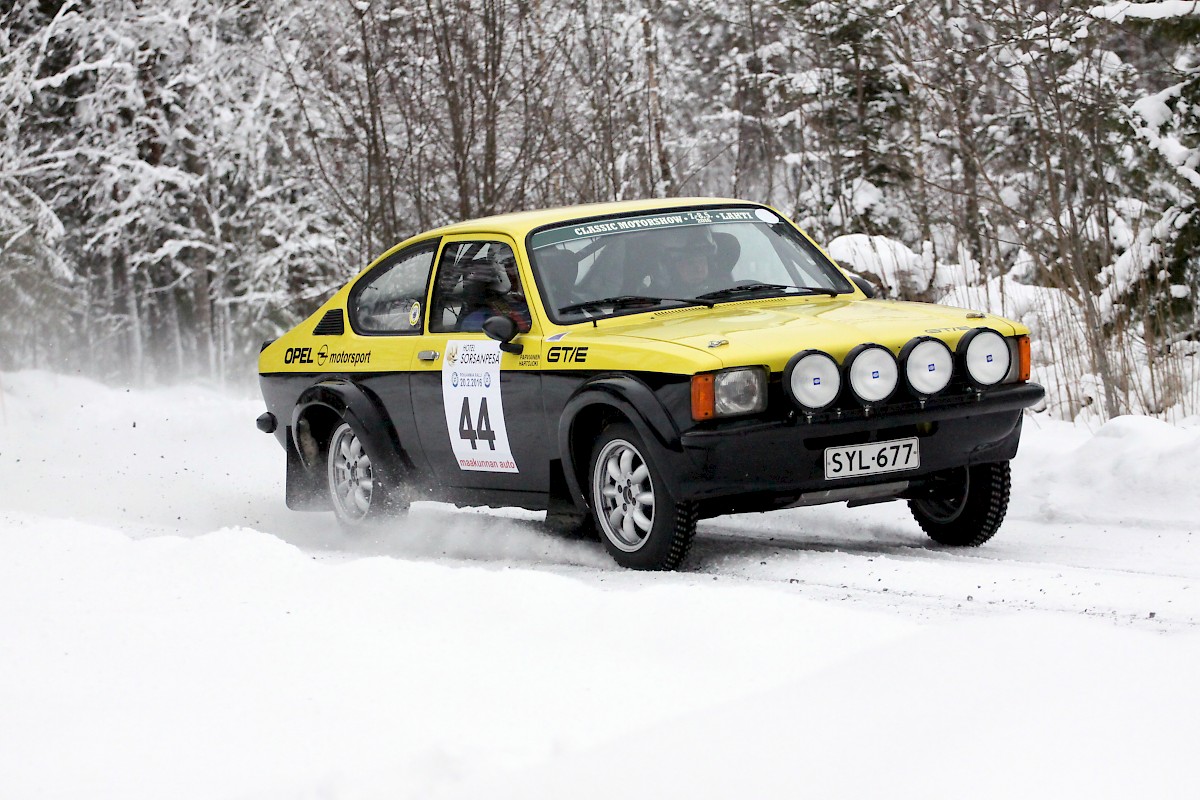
(643, 262)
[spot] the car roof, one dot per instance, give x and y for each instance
(519, 223)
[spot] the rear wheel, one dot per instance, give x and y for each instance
(641, 525)
(964, 507)
(358, 496)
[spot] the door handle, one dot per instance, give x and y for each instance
(428, 355)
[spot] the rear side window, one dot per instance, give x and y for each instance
(390, 298)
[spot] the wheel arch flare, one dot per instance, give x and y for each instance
(598, 403)
(322, 406)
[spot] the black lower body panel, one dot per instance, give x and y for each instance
(770, 465)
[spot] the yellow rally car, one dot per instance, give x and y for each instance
(633, 367)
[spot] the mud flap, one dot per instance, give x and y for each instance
(305, 489)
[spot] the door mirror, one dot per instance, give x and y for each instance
(863, 284)
(504, 330)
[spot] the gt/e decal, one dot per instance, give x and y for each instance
(298, 355)
(567, 355)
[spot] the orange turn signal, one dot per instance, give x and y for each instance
(703, 397)
(1023, 354)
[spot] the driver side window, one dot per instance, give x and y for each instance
(389, 299)
(477, 280)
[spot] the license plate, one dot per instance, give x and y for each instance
(894, 455)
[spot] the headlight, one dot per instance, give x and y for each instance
(742, 390)
(985, 356)
(873, 372)
(812, 380)
(928, 365)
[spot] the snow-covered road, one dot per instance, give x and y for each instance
(169, 628)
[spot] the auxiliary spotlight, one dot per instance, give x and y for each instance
(928, 366)
(985, 356)
(872, 372)
(812, 380)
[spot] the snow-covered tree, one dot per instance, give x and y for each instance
(149, 148)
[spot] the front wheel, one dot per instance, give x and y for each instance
(355, 491)
(964, 507)
(641, 525)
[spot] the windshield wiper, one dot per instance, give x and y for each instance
(756, 288)
(630, 300)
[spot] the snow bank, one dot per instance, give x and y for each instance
(887, 261)
(1128, 461)
(900, 271)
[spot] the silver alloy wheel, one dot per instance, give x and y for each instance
(624, 493)
(351, 480)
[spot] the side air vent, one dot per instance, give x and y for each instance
(331, 324)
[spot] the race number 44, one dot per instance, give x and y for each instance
(474, 404)
(481, 430)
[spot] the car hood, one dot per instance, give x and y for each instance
(771, 331)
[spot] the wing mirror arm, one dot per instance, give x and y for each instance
(503, 330)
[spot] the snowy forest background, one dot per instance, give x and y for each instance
(181, 179)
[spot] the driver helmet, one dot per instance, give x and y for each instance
(490, 273)
(691, 241)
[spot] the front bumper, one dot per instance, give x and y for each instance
(767, 464)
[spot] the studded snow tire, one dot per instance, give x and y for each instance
(964, 507)
(641, 524)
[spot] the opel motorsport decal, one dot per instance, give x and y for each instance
(682, 219)
(305, 355)
(474, 407)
